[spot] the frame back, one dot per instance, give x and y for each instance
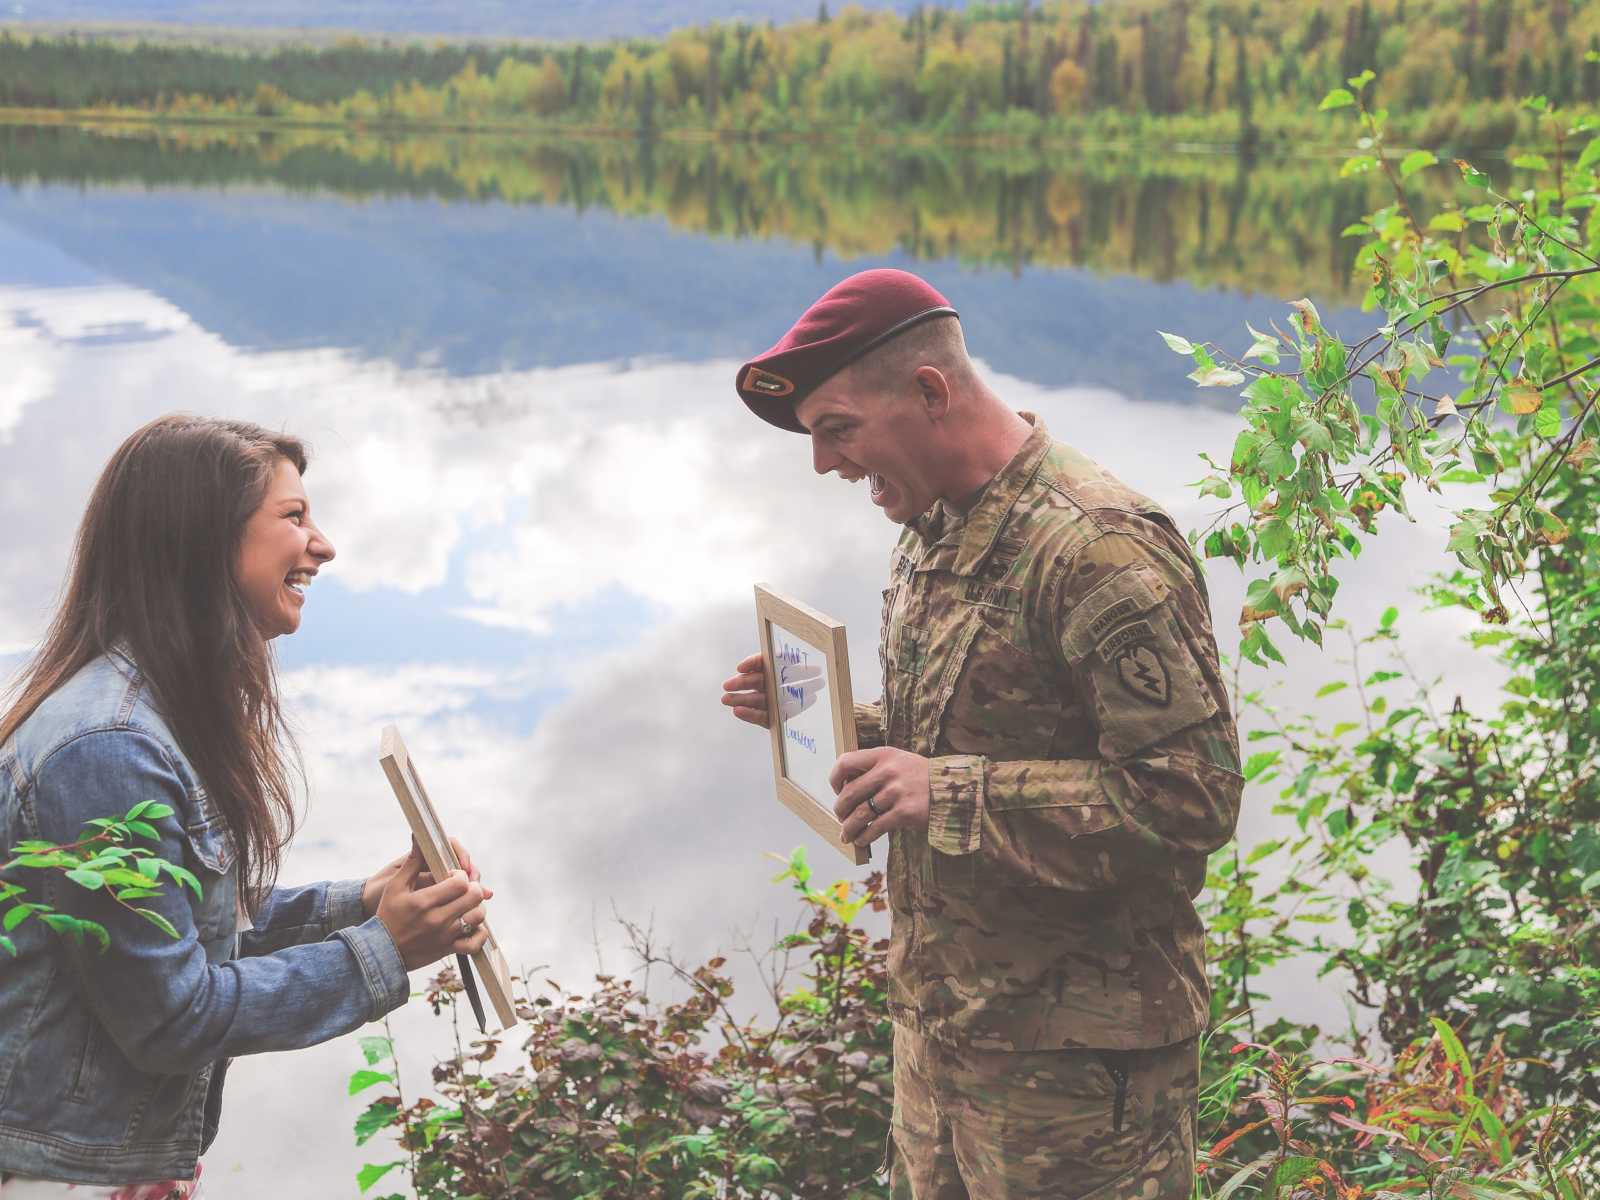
(440, 856)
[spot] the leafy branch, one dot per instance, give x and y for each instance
(1345, 428)
(106, 858)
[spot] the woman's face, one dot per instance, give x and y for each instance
(280, 552)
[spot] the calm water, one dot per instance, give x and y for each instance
(549, 507)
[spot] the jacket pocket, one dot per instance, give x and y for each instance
(213, 857)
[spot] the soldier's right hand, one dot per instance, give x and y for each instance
(429, 922)
(746, 691)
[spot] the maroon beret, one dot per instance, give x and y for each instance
(852, 317)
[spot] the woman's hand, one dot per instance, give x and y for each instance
(745, 691)
(430, 920)
(372, 889)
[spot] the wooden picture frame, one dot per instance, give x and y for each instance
(791, 634)
(440, 856)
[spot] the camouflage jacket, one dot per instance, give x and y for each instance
(1052, 654)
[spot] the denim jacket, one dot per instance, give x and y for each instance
(112, 1063)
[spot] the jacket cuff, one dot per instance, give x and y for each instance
(869, 725)
(388, 986)
(344, 907)
(955, 803)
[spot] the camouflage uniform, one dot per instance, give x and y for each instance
(1051, 652)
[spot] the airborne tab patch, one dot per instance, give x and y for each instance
(1137, 631)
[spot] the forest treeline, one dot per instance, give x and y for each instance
(1452, 71)
(1211, 220)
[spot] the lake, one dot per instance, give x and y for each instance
(515, 366)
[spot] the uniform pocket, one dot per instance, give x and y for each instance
(1125, 641)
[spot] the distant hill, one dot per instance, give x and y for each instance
(558, 19)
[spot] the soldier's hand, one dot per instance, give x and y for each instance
(746, 691)
(896, 783)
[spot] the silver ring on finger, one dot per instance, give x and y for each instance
(876, 811)
(465, 926)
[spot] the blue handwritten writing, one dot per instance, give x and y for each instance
(791, 656)
(803, 740)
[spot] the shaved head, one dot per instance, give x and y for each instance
(889, 369)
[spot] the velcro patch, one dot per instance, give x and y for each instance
(1144, 674)
(1121, 639)
(994, 595)
(1107, 619)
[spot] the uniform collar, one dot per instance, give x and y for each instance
(981, 525)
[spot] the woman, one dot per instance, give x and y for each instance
(156, 682)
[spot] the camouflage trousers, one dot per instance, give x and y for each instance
(1042, 1125)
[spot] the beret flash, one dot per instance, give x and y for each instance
(851, 318)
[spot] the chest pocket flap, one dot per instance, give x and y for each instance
(1124, 637)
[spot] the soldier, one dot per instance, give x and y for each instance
(1053, 758)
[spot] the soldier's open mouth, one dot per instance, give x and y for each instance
(875, 482)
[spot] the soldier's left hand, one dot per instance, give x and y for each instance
(896, 781)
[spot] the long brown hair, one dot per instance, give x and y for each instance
(153, 571)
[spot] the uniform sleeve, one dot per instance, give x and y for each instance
(166, 1006)
(869, 725)
(1130, 630)
(294, 916)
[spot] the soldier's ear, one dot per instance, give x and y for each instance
(934, 391)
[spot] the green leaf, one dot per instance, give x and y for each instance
(145, 830)
(379, 1115)
(1455, 1052)
(1260, 762)
(1328, 689)
(1547, 423)
(1531, 162)
(158, 921)
(376, 1049)
(86, 878)
(45, 861)
(372, 1172)
(1590, 155)
(1359, 82)
(16, 916)
(1338, 98)
(1416, 161)
(1243, 1175)
(1288, 1173)
(1179, 345)
(156, 811)
(1390, 616)
(1278, 462)
(1314, 435)
(8, 945)
(1472, 175)
(362, 1080)
(1357, 164)
(1447, 222)
(183, 875)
